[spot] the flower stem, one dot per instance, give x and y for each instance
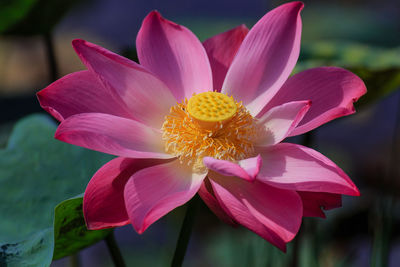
(114, 250)
(74, 260)
(395, 155)
(382, 227)
(383, 215)
(51, 57)
(184, 235)
(296, 248)
(308, 141)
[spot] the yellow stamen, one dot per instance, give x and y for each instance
(209, 124)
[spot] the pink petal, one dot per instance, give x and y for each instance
(103, 202)
(246, 169)
(279, 121)
(207, 194)
(314, 202)
(80, 92)
(175, 55)
(294, 167)
(221, 49)
(266, 57)
(332, 91)
(272, 213)
(153, 192)
(147, 98)
(111, 134)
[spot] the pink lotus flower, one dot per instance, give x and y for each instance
(206, 118)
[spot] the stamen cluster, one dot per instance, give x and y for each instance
(230, 140)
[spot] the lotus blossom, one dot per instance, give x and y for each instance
(206, 118)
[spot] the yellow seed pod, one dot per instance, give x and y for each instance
(209, 108)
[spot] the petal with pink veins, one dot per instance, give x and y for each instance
(206, 193)
(175, 55)
(246, 169)
(80, 92)
(295, 167)
(103, 202)
(279, 121)
(147, 98)
(274, 214)
(113, 135)
(221, 49)
(332, 91)
(314, 202)
(153, 192)
(266, 57)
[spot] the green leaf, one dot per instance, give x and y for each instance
(36, 173)
(70, 232)
(32, 251)
(379, 68)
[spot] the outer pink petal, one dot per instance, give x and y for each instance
(266, 57)
(207, 194)
(147, 98)
(153, 192)
(80, 92)
(314, 202)
(103, 202)
(113, 135)
(175, 55)
(279, 121)
(295, 167)
(246, 169)
(272, 213)
(332, 91)
(221, 49)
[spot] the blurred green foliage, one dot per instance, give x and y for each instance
(31, 17)
(13, 11)
(236, 247)
(36, 173)
(378, 67)
(316, 244)
(351, 22)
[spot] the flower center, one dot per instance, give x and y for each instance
(209, 124)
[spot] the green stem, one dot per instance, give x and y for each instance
(184, 235)
(114, 251)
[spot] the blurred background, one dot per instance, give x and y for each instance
(360, 35)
